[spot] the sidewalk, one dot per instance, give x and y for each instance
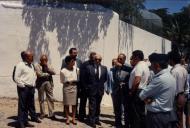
(8, 116)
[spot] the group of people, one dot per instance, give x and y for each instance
(148, 94)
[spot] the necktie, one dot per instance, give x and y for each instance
(29, 65)
(97, 71)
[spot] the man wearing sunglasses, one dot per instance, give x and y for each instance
(96, 76)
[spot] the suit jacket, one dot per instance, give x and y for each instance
(93, 84)
(120, 75)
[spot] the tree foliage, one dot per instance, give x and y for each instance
(128, 9)
(176, 26)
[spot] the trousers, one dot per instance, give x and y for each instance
(46, 89)
(26, 103)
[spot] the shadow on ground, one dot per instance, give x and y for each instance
(14, 123)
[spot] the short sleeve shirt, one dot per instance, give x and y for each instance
(142, 70)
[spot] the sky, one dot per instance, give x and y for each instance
(172, 5)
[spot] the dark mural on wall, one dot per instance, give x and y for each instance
(79, 25)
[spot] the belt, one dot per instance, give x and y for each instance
(28, 86)
(71, 82)
(180, 93)
(149, 112)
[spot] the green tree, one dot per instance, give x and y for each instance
(176, 26)
(128, 10)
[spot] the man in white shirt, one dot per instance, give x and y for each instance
(180, 74)
(138, 80)
(25, 77)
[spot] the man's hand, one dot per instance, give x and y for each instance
(148, 101)
(107, 92)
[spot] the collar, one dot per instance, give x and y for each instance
(139, 63)
(161, 72)
(25, 63)
(175, 66)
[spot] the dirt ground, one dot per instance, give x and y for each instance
(8, 116)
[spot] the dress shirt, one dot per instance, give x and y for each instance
(187, 92)
(142, 70)
(180, 74)
(98, 67)
(25, 75)
(161, 90)
(109, 83)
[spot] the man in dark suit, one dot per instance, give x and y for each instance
(120, 90)
(96, 76)
(83, 93)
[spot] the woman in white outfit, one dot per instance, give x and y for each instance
(69, 79)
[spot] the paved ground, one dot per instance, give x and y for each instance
(8, 112)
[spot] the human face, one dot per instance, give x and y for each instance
(29, 57)
(114, 62)
(44, 60)
(133, 61)
(98, 60)
(71, 63)
(92, 56)
(154, 67)
(121, 59)
(74, 53)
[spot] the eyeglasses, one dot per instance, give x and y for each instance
(98, 59)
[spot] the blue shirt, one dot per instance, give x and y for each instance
(109, 84)
(161, 90)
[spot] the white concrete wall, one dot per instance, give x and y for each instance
(53, 31)
(133, 38)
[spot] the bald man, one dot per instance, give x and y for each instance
(45, 85)
(96, 76)
(25, 78)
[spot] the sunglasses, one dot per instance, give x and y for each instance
(98, 59)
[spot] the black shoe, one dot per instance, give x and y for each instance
(20, 125)
(93, 125)
(98, 123)
(36, 120)
(42, 116)
(27, 124)
(118, 126)
(81, 119)
(52, 118)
